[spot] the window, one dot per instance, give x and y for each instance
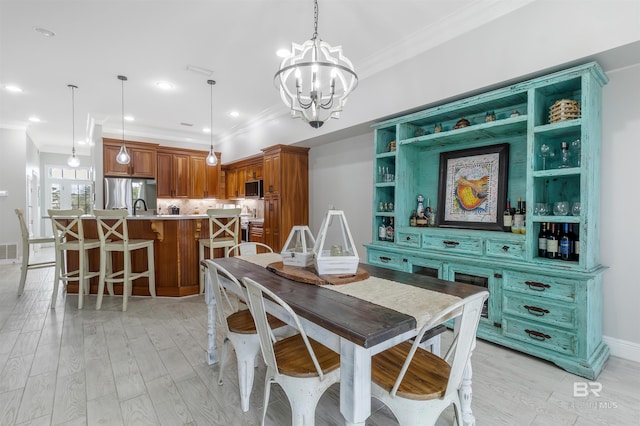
(69, 188)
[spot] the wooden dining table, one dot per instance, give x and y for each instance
(357, 329)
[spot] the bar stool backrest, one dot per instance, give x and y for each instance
(67, 226)
(118, 230)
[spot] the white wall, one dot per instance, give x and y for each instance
(13, 160)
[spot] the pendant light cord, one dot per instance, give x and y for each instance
(122, 79)
(73, 121)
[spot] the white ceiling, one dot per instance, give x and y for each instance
(150, 41)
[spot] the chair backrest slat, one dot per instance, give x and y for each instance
(23, 224)
(215, 272)
(257, 293)
(224, 223)
(117, 229)
(71, 230)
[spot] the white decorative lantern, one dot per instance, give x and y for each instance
(335, 252)
(298, 250)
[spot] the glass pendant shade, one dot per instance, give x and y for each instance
(315, 79)
(212, 160)
(73, 161)
(123, 156)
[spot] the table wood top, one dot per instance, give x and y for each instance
(364, 323)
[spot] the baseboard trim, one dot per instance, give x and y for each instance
(623, 348)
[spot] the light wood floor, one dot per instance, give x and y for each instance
(147, 367)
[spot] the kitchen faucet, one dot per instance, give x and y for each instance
(135, 205)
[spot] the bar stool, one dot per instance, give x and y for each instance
(224, 232)
(68, 236)
(27, 241)
(121, 243)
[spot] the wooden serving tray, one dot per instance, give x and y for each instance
(309, 275)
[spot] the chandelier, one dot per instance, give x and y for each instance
(315, 79)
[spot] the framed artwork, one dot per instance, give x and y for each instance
(472, 187)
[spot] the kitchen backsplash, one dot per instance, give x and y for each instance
(255, 208)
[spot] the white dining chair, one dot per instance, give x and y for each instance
(27, 242)
(114, 237)
(248, 248)
(68, 233)
(417, 385)
(224, 232)
(302, 367)
(238, 328)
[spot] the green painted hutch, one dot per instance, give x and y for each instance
(548, 308)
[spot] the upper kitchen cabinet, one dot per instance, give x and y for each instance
(240, 172)
(286, 192)
(174, 176)
(204, 178)
(142, 164)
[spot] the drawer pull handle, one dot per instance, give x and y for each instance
(408, 238)
(534, 310)
(385, 259)
(533, 285)
(450, 243)
(536, 335)
(505, 248)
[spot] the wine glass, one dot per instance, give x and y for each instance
(561, 208)
(545, 152)
(576, 146)
(575, 209)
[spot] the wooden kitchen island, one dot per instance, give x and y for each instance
(175, 244)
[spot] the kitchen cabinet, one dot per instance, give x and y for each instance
(286, 192)
(231, 183)
(549, 308)
(236, 174)
(204, 178)
(173, 174)
(142, 164)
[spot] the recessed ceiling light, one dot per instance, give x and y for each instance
(34, 119)
(206, 130)
(234, 114)
(283, 53)
(129, 118)
(164, 85)
(12, 88)
(44, 32)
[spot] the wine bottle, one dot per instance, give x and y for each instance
(421, 218)
(413, 218)
(390, 231)
(542, 240)
(576, 243)
(565, 156)
(382, 231)
(518, 219)
(507, 218)
(565, 243)
(552, 242)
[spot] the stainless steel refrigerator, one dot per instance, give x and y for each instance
(121, 193)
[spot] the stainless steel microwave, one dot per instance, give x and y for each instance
(254, 189)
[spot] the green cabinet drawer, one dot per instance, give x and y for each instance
(539, 335)
(541, 285)
(408, 239)
(387, 260)
(539, 309)
(505, 249)
(467, 245)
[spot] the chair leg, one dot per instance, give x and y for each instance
(103, 274)
(246, 348)
(200, 267)
(109, 273)
(152, 273)
(126, 283)
(56, 277)
(81, 268)
(25, 267)
(223, 359)
(267, 391)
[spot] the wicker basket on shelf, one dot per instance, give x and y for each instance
(564, 109)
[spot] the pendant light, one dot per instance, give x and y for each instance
(315, 79)
(212, 160)
(73, 161)
(123, 155)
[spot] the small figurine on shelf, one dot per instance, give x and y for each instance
(421, 217)
(419, 132)
(515, 113)
(437, 128)
(490, 116)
